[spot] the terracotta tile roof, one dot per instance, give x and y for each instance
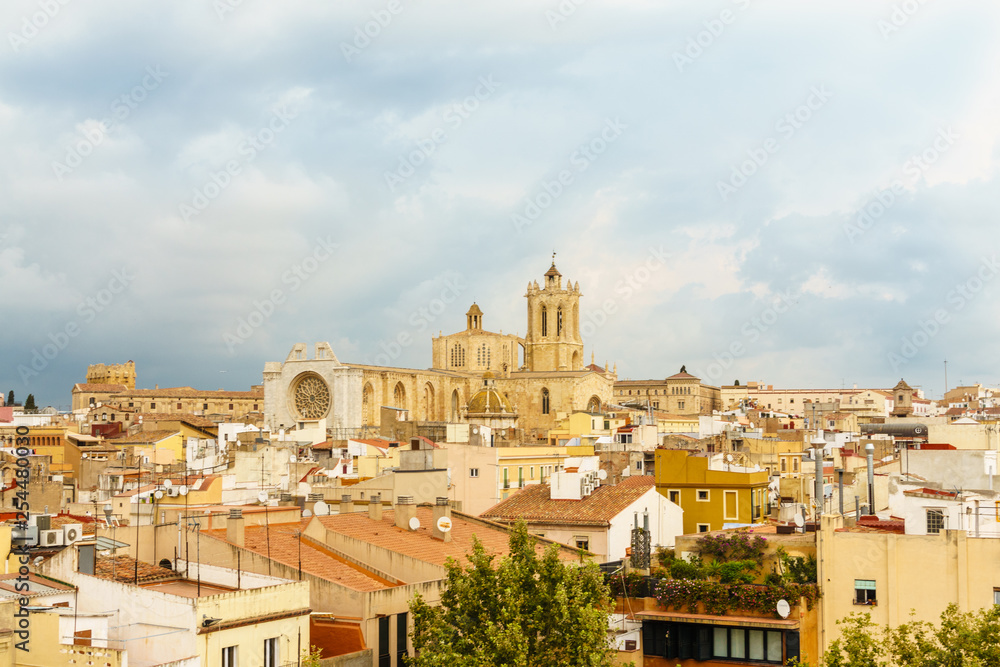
(334, 636)
(187, 418)
(90, 388)
(535, 505)
(122, 569)
(37, 585)
(596, 368)
(429, 442)
(60, 520)
(682, 376)
(143, 437)
(420, 544)
(284, 548)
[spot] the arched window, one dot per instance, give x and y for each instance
(559, 321)
(545, 401)
(545, 321)
(399, 396)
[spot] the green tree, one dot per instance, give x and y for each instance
(29, 403)
(523, 611)
(963, 639)
(10, 397)
(312, 658)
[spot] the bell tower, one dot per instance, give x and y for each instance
(553, 340)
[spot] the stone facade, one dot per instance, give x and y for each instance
(112, 374)
(551, 380)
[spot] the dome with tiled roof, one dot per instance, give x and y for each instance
(489, 401)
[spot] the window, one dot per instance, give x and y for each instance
(93, 401)
(935, 521)
(152, 406)
(204, 406)
(730, 505)
(520, 476)
(582, 542)
(531, 472)
(545, 321)
(864, 591)
(384, 657)
(473, 472)
(680, 405)
(230, 657)
(783, 466)
(179, 405)
(506, 480)
(559, 321)
(703, 495)
(704, 527)
(996, 596)
(795, 465)
(230, 406)
(545, 401)
(271, 652)
(401, 622)
(675, 497)
(131, 405)
(255, 406)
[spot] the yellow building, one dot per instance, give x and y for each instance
(889, 575)
(123, 374)
(710, 498)
(681, 393)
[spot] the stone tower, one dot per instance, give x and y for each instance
(902, 394)
(553, 341)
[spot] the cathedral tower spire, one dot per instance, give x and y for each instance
(553, 340)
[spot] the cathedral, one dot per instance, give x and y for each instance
(477, 376)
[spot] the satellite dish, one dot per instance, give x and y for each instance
(321, 508)
(293, 458)
(208, 511)
(729, 457)
(167, 483)
(38, 561)
(798, 520)
(475, 430)
(158, 494)
(262, 496)
(183, 490)
(304, 489)
(443, 523)
(306, 514)
(783, 608)
(602, 474)
(83, 456)
(414, 523)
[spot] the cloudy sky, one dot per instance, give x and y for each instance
(800, 193)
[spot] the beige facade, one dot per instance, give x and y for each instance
(951, 567)
(476, 350)
(680, 394)
(553, 340)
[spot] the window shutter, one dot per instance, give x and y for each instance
(704, 642)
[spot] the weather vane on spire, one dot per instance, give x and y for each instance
(553, 256)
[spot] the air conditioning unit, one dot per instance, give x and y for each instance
(25, 536)
(173, 491)
(72, 532)
(50, 538)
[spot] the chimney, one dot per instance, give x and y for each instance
(235, 527)
(441, 529)
(404, 511)
(346, 504)
(375, 507)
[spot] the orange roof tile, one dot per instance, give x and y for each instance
(420, 543)
(123, 569)
(187, 418)
(285, 548)
(92, 388)
(143, 437)
(535, 505)
(189, 392)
